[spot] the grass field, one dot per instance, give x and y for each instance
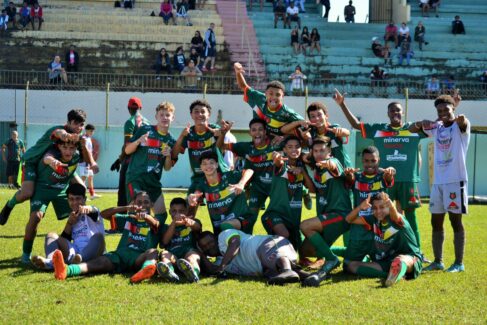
(29, 296)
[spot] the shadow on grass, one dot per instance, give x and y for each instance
(19, 236)
(15, 263)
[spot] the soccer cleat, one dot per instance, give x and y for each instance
(315, 279)
(425, 259)
(166, 272)
(435, 266)
(188, 270)
(308, 202)
(41, 263)
(330, 266)
(95, 196)
(77, 259)
(60, 268)
(5, 214)
(288, 276)
(394, 272)
(25, 258)
(144, 274)
(455, 268)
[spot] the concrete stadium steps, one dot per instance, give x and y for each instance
(123, 15)
(139, 4)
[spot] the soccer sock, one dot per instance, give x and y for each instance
(27, 246)
(370, 272)
(459, 243)
(226, 226)
(346, 237)
(196, 270)
(413, 222)
(147, 263)
(322, 248)
(74, 270)
(437, 242)
(339, 250)
(91, 190)
(12, 202)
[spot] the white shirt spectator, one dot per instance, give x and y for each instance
(292, 11)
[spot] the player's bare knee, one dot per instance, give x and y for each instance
(36, 217)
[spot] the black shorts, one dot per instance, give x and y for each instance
(12, 168)
(210, 52)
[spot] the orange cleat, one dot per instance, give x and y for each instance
(146, 273)
(60, 268)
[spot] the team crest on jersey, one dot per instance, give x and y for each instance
(452, 206)
(453, 196)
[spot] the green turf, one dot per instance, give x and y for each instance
(28, 296)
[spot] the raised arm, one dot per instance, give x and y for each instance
(353, 217)
(178, 146)
(352, 119)
(239, 71)
(108, 213)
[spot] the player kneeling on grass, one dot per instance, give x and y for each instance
(396, 251)
(83, 236)
(252, 255)
(136, 249)
(179, 240)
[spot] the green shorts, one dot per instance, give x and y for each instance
(29, 172)
(123, 259)
(358, 249)
(334, 225)
(258, 194)
(43, 196)
(406, 193)
(246, 223)
(181, 251)
(146, 183)
(417, 267)
(271, 219)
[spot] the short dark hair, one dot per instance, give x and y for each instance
(178, 200)
(276, 84)
(378, 196)
(316, 106)
(210, 154)
(90, 127)
(289, 138)
(256, 120)
(393, 104)
(371, 150)
(77, 115)
(200, 102)
(321, 140)
(76, 189)
(444, 99)
(204, 234)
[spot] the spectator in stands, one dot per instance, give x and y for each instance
(24, 14)
(433, 87)
(391, 33)
(381, 51)
(167, 12)
(201, 4)
(435, 4)
(305, 41)
(404, 33)
(195, 56)
(128, 4)
(72, 59)
(36, 15)
(377, 76)
(419, 32)
(292, 13)
(56, 71)
(210, 48)
(297, 81)
(457, 26)
(315, 41)
(279, 13)
(3, 22)
(12, 14)
(191, 74)
(349, 13)
(197, 42)
(300, 5)
(261, 4)
(163, 62)
(425, 7)
(182, 8)
(325, 5)
(405, 51)
(449, 85)
(295, 40)
(179, 59)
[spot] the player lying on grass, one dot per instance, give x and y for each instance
(83, 237)
(179, 242)
(252, 255)
(396, 252)
(136, 249)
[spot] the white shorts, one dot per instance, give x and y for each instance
(451, 197)
(84, 171)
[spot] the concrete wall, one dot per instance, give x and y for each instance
(51, 107)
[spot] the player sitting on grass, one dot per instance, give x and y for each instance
(396, 252)
(83, 237)
(150, 152)
(55, 171)
(257, 255)
(136, 249)
(333, 204)
(179, 241)
(69, 132)
(223, 191)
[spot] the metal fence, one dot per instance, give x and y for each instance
(226, 84)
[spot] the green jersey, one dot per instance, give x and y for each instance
(139, 236)
(337, 145)
(35, 153)
(182, 239)
(59, 178)
(332, 194)
(398, 148)
(392, 239)
(148, 158)
(133, 124)
(275, 119)
(362, 187)
(222, 202)
(199, 143)
(15, 149)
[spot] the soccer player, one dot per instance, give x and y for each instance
(283, 215)
(451, 134)
(85, 171)
(68, 132)
(136, 249)
(179, 241)
(135, 121)
(373, 179)
(398, 148)
(333, 204)
(55, 171)
(397, 253)
(251, 255)
(150, 150)
(15, 150)
(83, 236)
(223, 191)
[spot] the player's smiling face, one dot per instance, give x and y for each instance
(317, 117)
(209, 166)
(258, 134)
(292, 149)
(164, 118)
(321, 152)
(274, 97)
(371, 163)
(380, 209)
(143, 200)
(177, 210)
(200, 115)
(75, 127)
(75, 201)
(209, 246)
(446, 113)
(395, 114)
(67, 150)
